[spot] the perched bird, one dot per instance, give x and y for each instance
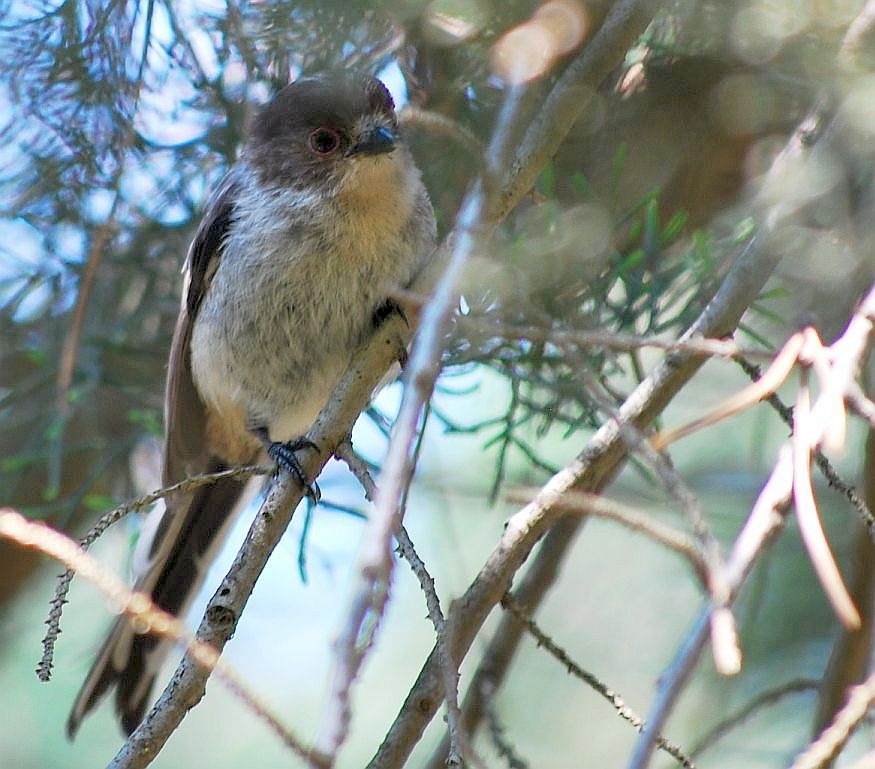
(290, 269)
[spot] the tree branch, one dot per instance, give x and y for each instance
(590, 472)
(137, 606)
(623, 710)
(222, 614)
(743, 283)
(763, 524)
(569, 98)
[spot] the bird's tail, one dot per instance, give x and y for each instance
(192, 529)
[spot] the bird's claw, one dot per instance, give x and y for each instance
(286, 458)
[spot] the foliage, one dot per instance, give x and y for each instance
(121, 116)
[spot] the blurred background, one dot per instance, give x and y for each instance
(117, 119)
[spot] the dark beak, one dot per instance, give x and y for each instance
(376, 141)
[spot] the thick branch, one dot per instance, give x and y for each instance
(589, 472)
(741, 287)
(332, 426)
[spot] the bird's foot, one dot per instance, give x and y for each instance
(284, 454)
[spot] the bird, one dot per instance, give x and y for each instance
(293, 265)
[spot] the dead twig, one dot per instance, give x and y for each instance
(594, 682)
(56, 605)
(832, 739)
(146, 616)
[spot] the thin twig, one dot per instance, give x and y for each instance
(831, 740)
(766, 519)
(358, 467)
(330, 429)
(361, 471)
(139, 607)
(458, 743)
(612, 340)
(774, 376)
(56, 605)
(572, 94)
(591, 680)
(763, 700)
(826, 468)
(502, 744)
(580, 503)
(440, 125)
(724, 634)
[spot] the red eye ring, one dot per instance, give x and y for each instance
(323, 141)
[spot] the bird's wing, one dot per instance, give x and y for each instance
(175, 546)
(185, 451)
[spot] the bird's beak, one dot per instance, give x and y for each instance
(374, 141)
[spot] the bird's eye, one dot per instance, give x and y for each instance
(324, 141)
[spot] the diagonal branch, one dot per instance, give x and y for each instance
(590, 472)
(741, 286)
(223, 612)
(137, 606)
(569, 98)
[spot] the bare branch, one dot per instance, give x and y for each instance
(822, 424)
(770, 381)
(358, 467)
(831, 740)
(56, 605)
(580, 503)
(823, 464)
(457, 740)
(505, 749)
(611, 340)
(593, 468)
(569, 98)
(147, 616)
(765, 521)
(405, 547)
(763, 700)
(331, 428)
(593, 681)
(860, 404)
(724, 634)
(440, 125)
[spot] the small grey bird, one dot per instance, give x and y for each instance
(298, 251)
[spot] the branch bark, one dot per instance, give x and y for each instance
(222, 614)
(740, 288)
(590, 472)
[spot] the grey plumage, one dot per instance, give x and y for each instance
(301, 244)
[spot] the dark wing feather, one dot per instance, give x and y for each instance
(185, 451)
(191, 524)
